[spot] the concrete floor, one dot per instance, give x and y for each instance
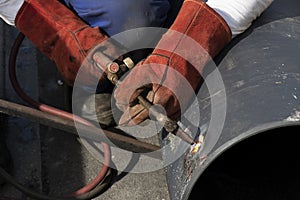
(48, 160)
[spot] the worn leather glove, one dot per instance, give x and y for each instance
(155, 76)
(64, 38)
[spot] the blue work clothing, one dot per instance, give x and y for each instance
(115, 16)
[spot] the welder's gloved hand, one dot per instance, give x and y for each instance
(157, 73)
(64, 38)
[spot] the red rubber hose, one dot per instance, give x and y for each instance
(12, 75)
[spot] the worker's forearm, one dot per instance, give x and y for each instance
(9, 10)
(239, 14)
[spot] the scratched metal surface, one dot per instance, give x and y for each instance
(261, 74)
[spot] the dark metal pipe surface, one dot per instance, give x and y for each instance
(260, 70)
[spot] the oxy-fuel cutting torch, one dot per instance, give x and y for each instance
(114, 71)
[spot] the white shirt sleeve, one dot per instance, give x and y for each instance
(239, 14)
(9, 10)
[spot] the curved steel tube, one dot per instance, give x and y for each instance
(261, 75)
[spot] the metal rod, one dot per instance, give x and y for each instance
(169, 125)
(86, 132)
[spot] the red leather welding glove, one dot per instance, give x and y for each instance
(198, 24)
(63, 37)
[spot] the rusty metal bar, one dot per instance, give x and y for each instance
(86, 132)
